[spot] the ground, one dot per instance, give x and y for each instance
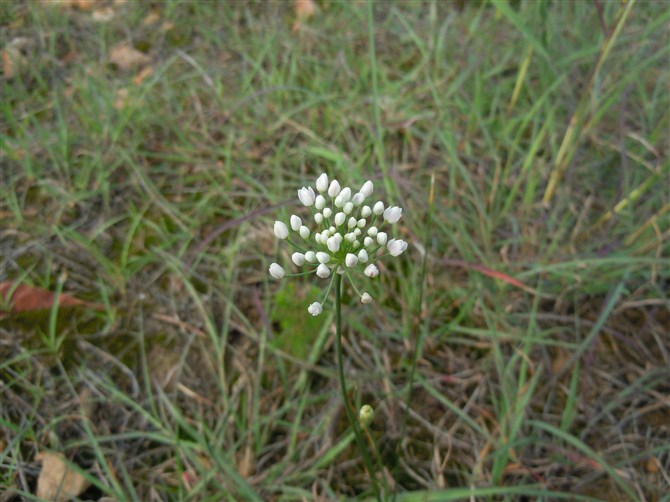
(148, 149)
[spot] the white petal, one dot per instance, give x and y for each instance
(310, 256)
(351, 260)
(318, 218)
(348, 208)
(315, 309)
(372, 231)
(320, 202)
(277, 271)
(306, 196)
(352, 222)
(281, 230)
(322, 257)
(396, 247)
(361, 223)
(333, 244)
(367, 188)
(366, 211)
(381, 238)
(367, 242)
(327, 212)
(363, 256)
(323, 271)
(371, 270)
(322, 183)
(344, 197)
(304, 232)
(358, 199)
(378, 208)
(296, 222)
(339, 218)
(392, 214)
(334, 188)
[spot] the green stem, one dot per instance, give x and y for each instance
(360, 441)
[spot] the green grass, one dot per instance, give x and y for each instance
(202, 379)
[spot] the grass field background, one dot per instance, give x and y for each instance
(147, 149)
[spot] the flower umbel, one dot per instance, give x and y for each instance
(347, 237)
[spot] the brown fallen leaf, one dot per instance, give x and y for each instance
(304, 9)
(121, 100)
(17, 298)
(126, 57)
(56, 480)
(152, 18)
(103, 15)
(13, 60)
(143, 74)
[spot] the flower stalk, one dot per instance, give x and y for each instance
(360, 441)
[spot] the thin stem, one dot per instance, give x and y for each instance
(343, 387)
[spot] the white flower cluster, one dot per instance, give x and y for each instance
(347, 235)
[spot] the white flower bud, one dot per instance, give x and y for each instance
(358, 199)
(366, 211)
(344, 197)
(367, 242)
(333, 244)
(304, 232)
(357, 244)
(281, 230)
(322, 257)
(348, 208)
(392, 214)
(363, 256)
(366, 413)
(327, 212)
(352, 222)
(310, 256)
(277, 271)
(340, 270)
(371, 270)
(306, 196)
(298, 258)
(315, 309)
(323, 271)
(318, 218)
(378, 208)
(361, 223)
(351, 237)
(332, 230)
(351, 260)
(295, 222)
(320, 202)
(381, 238)
(366, 298)
(357, 232)
(322, 183)
(396, 247)
(334, 188)
(367, 188)
(372, 231)
(339, 218)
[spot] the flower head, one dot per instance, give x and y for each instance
(348, 237)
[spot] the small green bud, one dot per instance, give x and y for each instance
(365, 415)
